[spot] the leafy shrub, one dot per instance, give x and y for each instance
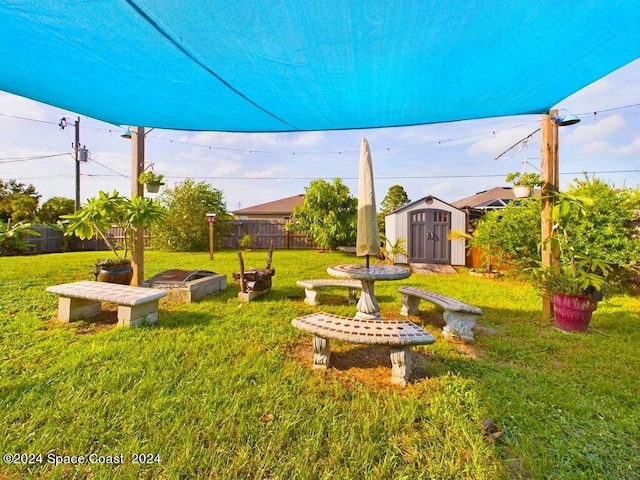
(11, 242)
(185, 228)
(327, 214)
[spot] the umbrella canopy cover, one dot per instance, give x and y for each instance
(367, 239)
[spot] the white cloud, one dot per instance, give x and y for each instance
(495, 145)
(21, 107)
(618, 89)
(255, 141)
(604, 149)
(588, 132)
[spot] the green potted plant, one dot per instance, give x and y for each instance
(579, 281)
(246, 241)
(391, 251)
(153, 181)
(523, 183)
(99, 214)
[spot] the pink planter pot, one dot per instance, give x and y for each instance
(573, 312)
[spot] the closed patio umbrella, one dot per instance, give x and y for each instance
(367, 239)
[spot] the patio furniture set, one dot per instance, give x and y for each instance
(367, 326)
(137, 305)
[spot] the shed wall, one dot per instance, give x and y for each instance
(397, 227)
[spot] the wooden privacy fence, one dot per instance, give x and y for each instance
(266, 231)
(52, 241)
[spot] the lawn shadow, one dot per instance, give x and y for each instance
(370, 365)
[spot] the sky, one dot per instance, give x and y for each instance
(449, 161)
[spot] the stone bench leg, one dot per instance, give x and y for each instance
(400, 365)
(132, 316)
(311, 296)
(353, 296)
(321, 353)
(409, 305)
(70, 309)
(459, 325)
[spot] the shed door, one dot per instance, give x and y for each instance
(428, 241)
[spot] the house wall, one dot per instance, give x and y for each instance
(397, 227)
(279, 217)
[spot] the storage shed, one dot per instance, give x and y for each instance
(424, 224)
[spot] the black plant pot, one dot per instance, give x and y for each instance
(121, 274)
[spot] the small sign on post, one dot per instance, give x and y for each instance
(211, 219)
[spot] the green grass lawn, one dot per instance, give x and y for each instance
(224, 390)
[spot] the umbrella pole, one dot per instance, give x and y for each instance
(367, 261)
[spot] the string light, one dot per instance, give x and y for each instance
(62, 123)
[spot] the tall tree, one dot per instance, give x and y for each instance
(327, 214)
(18, 201)
(395, 198)
(185, 228)
(53, 208)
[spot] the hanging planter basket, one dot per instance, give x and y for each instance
(521, 192)
(573, 312)
(153, 187)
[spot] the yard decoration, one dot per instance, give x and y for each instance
(579, 281)
(523, 183)
(112, 209)
(153, 181)
(256, 281)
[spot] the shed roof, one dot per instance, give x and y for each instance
(422, 200)
(283, 206)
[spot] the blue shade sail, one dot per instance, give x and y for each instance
(270, 66)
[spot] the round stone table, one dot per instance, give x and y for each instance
(367, 306)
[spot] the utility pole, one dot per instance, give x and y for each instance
(77, 151)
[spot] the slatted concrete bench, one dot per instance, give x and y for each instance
(136, 305)
(460, 317)
(312, 288)
(401, 335)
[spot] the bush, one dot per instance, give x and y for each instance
(327, 214)
(511, 235)
(185, 228)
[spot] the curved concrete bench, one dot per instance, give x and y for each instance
(460, 317)
(83, 300)
(401, 335)
(312, 288)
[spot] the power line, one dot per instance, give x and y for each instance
(443, 141)
(26, 159)
(28, 119)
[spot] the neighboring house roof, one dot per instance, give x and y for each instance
(422, 200)
(496, 197)
(283, 206)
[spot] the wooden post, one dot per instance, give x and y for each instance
(210, 240)
(243, 287)
(550, 181)
(269, 256)
(137, 167)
